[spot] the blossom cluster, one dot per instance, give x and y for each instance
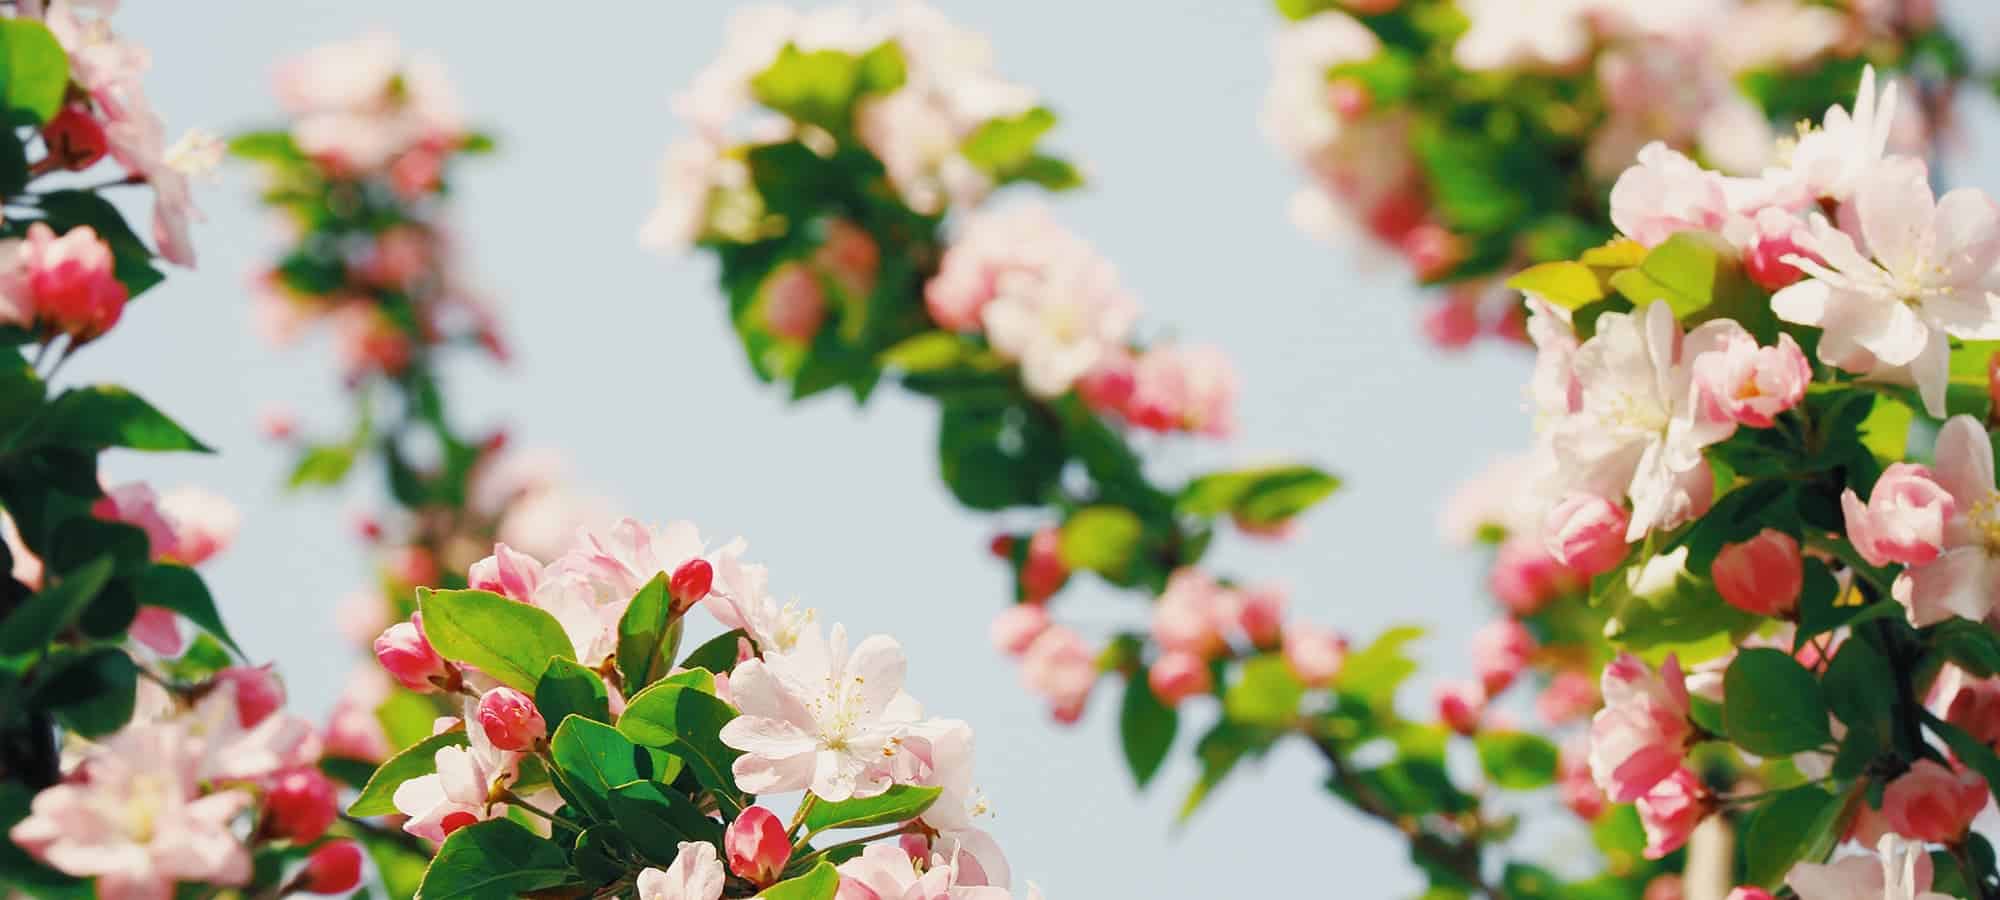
(68, 261)
(572, 708)
(1475, 137)
(1759, 491)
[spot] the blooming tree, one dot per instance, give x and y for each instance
(1476, 137)
(134, 756)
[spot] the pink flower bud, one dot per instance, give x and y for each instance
(1976, 709)
(1640, 736)
(1904, 519)
(691, 582)
(1569, 696)
(1177, 676)
(1764, 259)
(333, 868)
(508, 572)
(1017, 626)
(1460, 704)
(1043, 572)
(1751, 385)
(75, 139)
(756, 846)
(1749, 893)
(1762, 576)
(794, 303)
(1500, 650)
(1573, 782)
(1108, 387)
(407, 656)
(511, 720)
(1451, 324)
(1670, 811)
(849, 256)
(1314, 654)
(1525, 577)
(300, 805)
(68, 281)
(1061, 667)
(1432, 250)
(1933, 804)
(1664, 887)
(1261, 615)
(1586, 533)
(257, 690)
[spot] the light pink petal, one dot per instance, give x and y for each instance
(1965, 461)
(1953, 584)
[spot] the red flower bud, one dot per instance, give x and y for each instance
(334, 868)
(511, 720)
(756, 846)
(691, 582)
(300, 805)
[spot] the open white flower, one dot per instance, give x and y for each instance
(1831, 160)
(1058, 321)
(820, 717)
(1923, 274)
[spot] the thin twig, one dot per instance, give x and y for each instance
(1462, 860)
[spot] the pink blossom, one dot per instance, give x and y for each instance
(756, 846)
(1569, 695)
(1525, 577)
(1460, 705)
(1905, 518)
(158, 629)
(300, 804)
(1670, 810)
(353, 731)
(696, 874)
(1260, 615)
(1016, 627)
(1897, 870)
(1933, 804)
(1314, 654)
(819, 717)
(1060, 667)
(203, 523)
(886, 872)
(1107, 388)
(134, 817)
(407, 655)
(1183, 388)
(1500, 650)
(1666, 193)
(460, 792)
(1964, 577)
(137, 505)
(1586, 533)
(1193, 614)
(1750, 385)
(1573, 783)
(1178, 675)
(508, 572)
(255, 689)
(1451, 324)
(1640, 736)
(1762, 576)
(1774, 236)
(510, 720)
(990, 249)
(1975, 707)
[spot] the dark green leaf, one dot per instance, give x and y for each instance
(687, 723)
(494, 859)
(91, 694)
(567, 688)
(900, 803)
(717, 654)
(95, 418)
(1969, 750)
(603, 853)
(178, 588)
(658, 821)
(1972, 645)
(1781, 832)
(643, 634)
(1263, 496)
(591, 758)
(994, 456)
(49, 612)
(509, 641)
(415, 761)
(1772, 705)
(1145, 728)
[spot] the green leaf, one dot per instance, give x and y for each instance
(819, 884)
(1781, 832)
(1374, 672)
(687, 723)
(567, 689)
(900, 803)
(510, 641)
(591, 758)
(178, 588)
(45, 615)
(1101, 539)
(322, 465)
(1570, 285)
(1972, 645)
(1219, 751)
(1265, 693)
(1145, 728)
(658, 821)
(94, 418)
(1263, 496)
(820, 87)
(603, 853)
(492, 859)
(34, 70)
(1860, 689)
(415, 761)
(1048, 172)
(643, 634)
(1516, 760)
(1969, 750)
(1686, 271)
(91, 694)
(1772, 705)
(717, 654)
(1003, 146)
(931, 351)
(266, 146)
(998, 455)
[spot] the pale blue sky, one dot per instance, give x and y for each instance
(614, 344)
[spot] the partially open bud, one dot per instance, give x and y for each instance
(1587, 533)
(408, 657)
(690, 583)
(1460, 704)
(334, 868)
(1314, 654)
(1017, 626)
(1762, 575)
(75, 139)
(258, 693)
(511, 720)
(300, 805)
(756, 846)
(1177, 676)
(1932, 803)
